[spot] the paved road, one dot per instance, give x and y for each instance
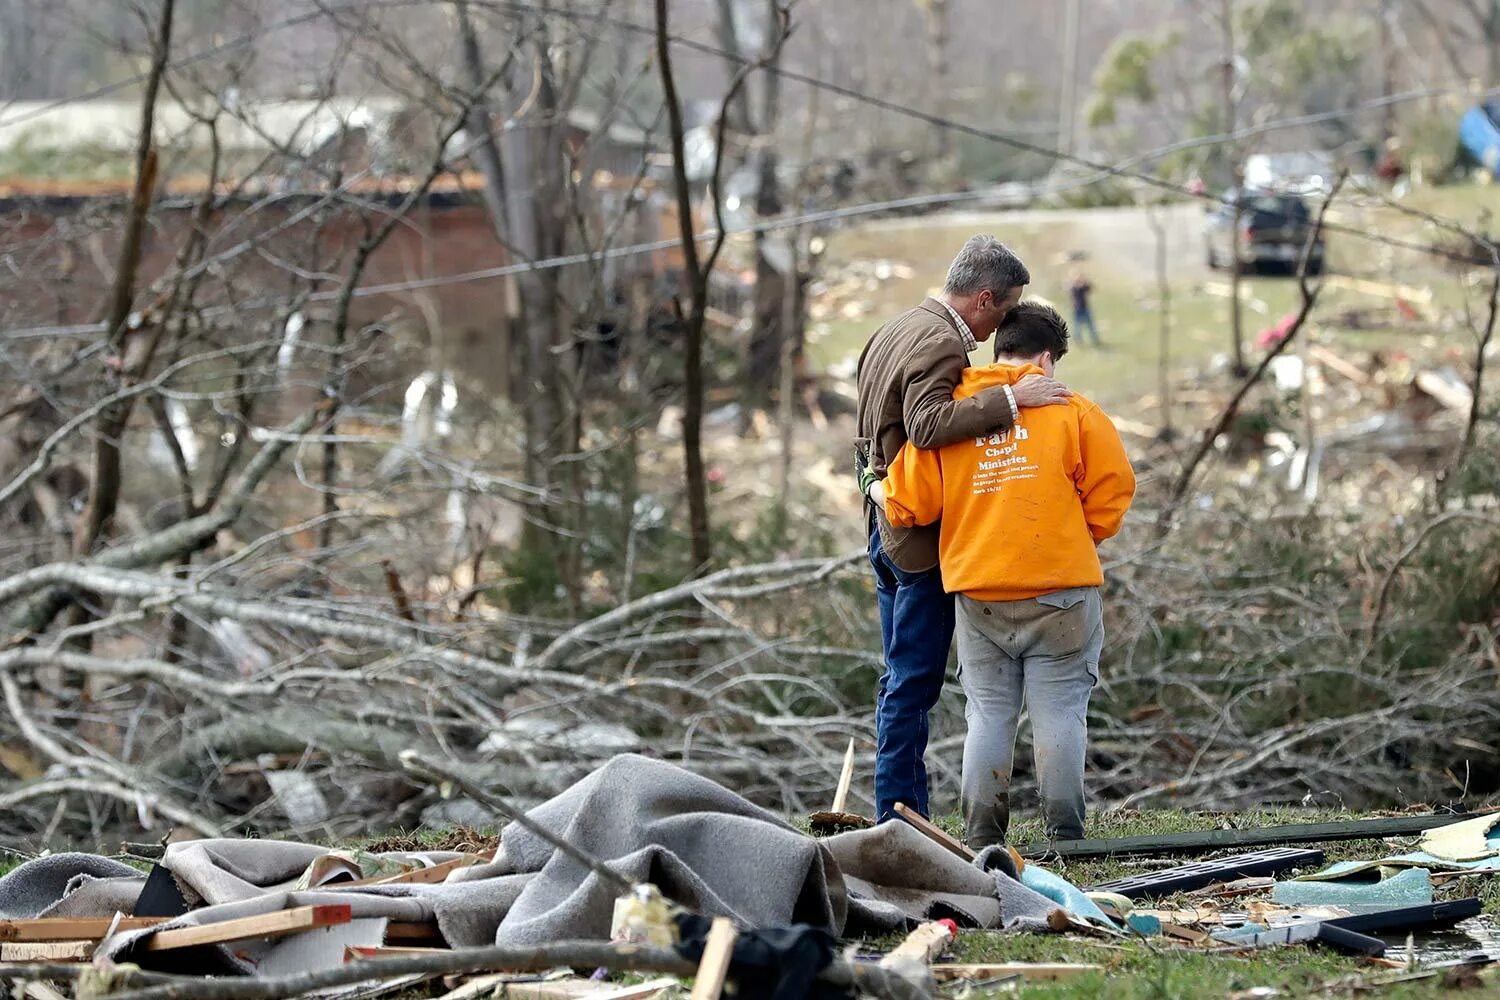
(1120, 238)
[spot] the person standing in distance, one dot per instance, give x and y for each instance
(906, 377)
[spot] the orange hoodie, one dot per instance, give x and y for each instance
(1022, 511)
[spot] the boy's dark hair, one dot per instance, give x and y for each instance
(1029, 329)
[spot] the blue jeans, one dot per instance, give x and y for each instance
(916, 629)
(1085, 318)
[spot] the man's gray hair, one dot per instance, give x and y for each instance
(985, 262)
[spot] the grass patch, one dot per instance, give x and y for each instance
(1150, 969)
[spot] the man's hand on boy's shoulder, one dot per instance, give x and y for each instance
(1039, 390)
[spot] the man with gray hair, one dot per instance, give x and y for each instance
(907, 374)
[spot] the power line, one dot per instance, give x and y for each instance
(1101, 169)
(546, 264)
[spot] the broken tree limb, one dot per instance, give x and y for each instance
(719, 585)
(418, 765)
(868, 979)
(116, 774)
(1209, 840)
(162, 546)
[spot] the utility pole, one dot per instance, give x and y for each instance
(938, 71)
(1067, 107)
(1387, 70)
(1237, 171)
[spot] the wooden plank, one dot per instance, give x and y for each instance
(583, 989)
(278, 924)
(421, 876)
(47, 951)
(355, 952)
(1039, 972)
(36, 990)
(1188, 934)
(70, 928)
(921, 946)
(1209, 840)
(933, 832)
(409, 931)
(1337, 364)
(479, 986)
(713, 968)
(846, 778)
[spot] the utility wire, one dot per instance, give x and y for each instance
(1101, 169)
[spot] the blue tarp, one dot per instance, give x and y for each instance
(1479, 134)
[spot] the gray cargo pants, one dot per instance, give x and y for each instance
(1045, 649)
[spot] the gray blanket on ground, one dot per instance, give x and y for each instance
(700, 843)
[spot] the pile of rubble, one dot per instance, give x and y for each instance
(643, 868)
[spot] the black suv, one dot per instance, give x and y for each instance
(1273, 229)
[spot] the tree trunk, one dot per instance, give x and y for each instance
(768, 334)
(486, 153)
(104, 488)
(692, 320)
(1164, 324)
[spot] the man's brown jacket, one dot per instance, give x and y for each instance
(907, 374)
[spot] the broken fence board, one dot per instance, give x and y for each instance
(35, 990)
(479, 986)
(713, 968)
(583, 989)
(71, 928)
(1040, 972)
(278, 924)
(355, 952)
(47, 951)
(934, 832)
(921, 946)
(420, 876)
(1189, 934)
(413, 932)
(1209, 840)
(846, 778)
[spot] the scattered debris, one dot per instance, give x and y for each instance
(1031, 972)
(362, 924)
(1209, 840)
(1407, 888)
(837, 818)
(933, 832)
(1186, 878)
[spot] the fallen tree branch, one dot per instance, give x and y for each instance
(868, 979)
(99, 763)
(715, 585)
(163, 546)
(1377, 613)
(423, 767)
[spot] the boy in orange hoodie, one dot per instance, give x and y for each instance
(1022, 515)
